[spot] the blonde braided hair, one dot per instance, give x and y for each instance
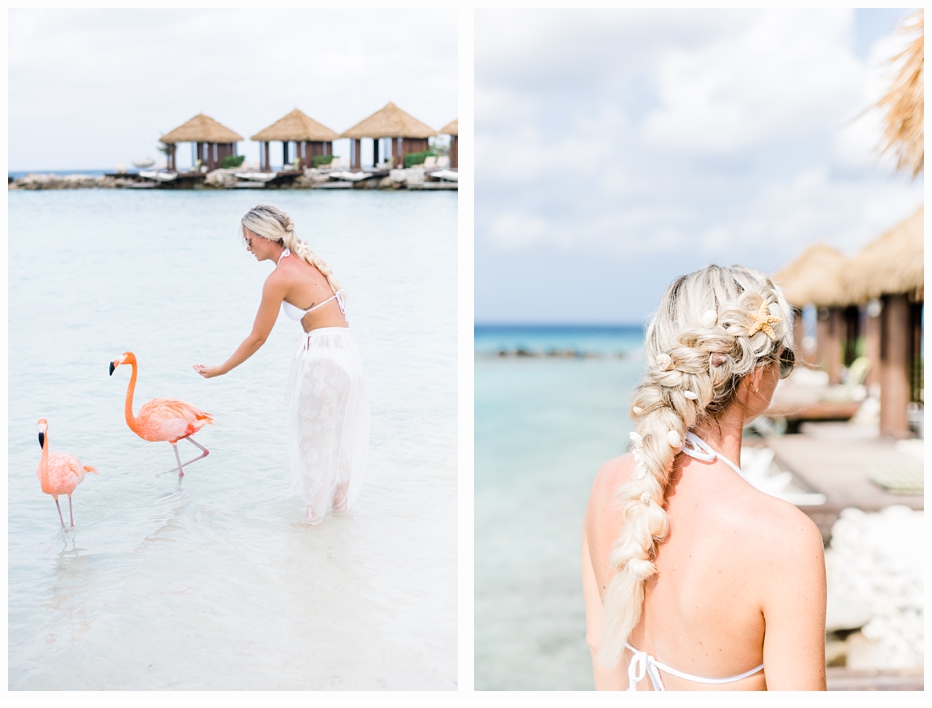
(698, 347)
(274, 224)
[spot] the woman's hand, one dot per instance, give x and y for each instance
(208, 372)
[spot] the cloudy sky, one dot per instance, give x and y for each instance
(89, 89)
(618, 149)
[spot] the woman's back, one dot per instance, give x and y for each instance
(722, 570)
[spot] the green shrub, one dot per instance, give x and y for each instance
(417, 158)
(231, 161)
(321, 160)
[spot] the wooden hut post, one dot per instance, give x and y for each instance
(916, 394)
(799, 326)
(873, 335)
(828, 348)
(851, 318)
(895, 349)
(454, 161)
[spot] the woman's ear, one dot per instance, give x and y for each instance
(755, 378)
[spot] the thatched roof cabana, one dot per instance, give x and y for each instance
(201, 129)
(214, 141)
(390, 122)
(296, 126)
(904, 102)
(407, 133)
(890, 265)
(815, 278)
(451, 128)
(311, 138)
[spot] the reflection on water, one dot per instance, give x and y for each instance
(211, 581)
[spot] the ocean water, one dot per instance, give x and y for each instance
(543, 427)
(215, 582)
(599, 340)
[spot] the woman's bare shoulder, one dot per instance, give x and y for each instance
(608, 479)
(774, 531)
(604, 516)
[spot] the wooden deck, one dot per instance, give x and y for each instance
(837, 459)
(841, 679)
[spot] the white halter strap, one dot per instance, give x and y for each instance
(286, 252)
(694, 446)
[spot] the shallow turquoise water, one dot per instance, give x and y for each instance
(215, 583)
(543, 428)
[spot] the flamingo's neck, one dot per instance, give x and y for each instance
(130, 418)
(44, 464)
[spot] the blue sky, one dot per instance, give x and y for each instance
(90, 89)
(618, 149)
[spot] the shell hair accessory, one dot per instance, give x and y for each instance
(762, 321)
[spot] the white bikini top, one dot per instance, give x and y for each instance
(643, 663)
(296, 313)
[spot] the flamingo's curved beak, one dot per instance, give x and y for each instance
(41, 439)
(112, 367)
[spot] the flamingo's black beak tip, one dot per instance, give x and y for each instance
(41, 439)
(112, 367)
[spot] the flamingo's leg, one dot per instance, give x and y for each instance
(199, 457)
(59, 514)
(178, 458)
(70, 511)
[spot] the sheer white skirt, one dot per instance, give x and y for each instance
(329, 422)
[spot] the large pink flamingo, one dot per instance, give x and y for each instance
(59, 472)
(163, 419)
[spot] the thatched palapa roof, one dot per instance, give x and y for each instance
(903, 131)
(296, 126)
(451, 128)
(814, 278)
(892, 264)
(390, 122)
(201, 129)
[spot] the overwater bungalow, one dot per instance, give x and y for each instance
(213, 141)
(815, 279)
(405, 132)
(310, 139)
(889, 273)
(452, 129)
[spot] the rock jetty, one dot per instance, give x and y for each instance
(414, 178)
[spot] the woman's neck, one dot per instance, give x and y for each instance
(723, 434)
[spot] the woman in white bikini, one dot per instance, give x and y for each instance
(693, 579)
(327, 390)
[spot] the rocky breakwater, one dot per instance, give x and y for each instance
(874, 566)
(52, 181)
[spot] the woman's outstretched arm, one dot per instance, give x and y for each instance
(273, 292)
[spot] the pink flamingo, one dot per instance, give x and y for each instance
(59, 472)
(163, 419)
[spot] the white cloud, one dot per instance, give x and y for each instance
(737, 139)
(783, 76)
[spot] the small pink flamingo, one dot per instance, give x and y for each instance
(59, 472)
(163, 419)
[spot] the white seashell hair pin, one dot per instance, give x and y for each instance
(674, 439)
(665, 362)
(691, 396)
(709, 318)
